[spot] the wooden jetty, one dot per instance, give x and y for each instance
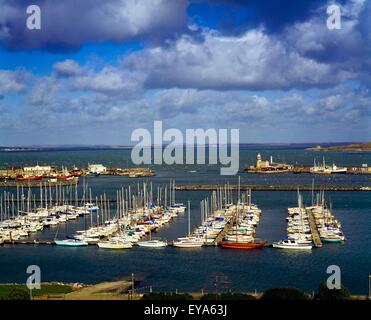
(38, 183)
(313, 228)
(227, 227)
(274, 188)
(28, 241)
(31, 241)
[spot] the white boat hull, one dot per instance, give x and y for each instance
(291, 247)
(151, 244)
(108, 245)
(70, 243)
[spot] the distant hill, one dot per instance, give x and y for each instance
(350, 147)
(61, 148)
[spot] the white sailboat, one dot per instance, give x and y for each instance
(152, 243)
(291, 244)
(115, 244)
(189, 242)
(71, 242)
(296, 239)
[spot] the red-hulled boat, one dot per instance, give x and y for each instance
(31, 178)
(65, 177)
(257, 244)
(156, 216)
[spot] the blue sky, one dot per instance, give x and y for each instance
(98, 70)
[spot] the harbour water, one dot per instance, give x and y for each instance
(195, 269)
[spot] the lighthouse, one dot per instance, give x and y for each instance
(258, 160)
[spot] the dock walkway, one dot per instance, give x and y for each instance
(227, 227)
(274, 188)
(38, 183)
(313, 228)
(29, 241)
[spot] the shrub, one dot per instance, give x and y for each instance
(227, 296)
(284, 294)
(325, 293)
(18, 294)
(167, 296)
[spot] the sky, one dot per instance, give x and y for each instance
(97, 70)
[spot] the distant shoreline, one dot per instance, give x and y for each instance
(358, 147)
(344, 146)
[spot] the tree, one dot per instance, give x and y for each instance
(325, 293)
(18, 294)
(227, 296)
(284, 294)
(167, 296)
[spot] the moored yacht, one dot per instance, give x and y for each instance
(71, 242)
(152, 244)
(115, 244)
(188, 242)
(292, 244)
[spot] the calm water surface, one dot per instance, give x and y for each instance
(196, 269)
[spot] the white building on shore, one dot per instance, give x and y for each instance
(97, 168)
(38, 170)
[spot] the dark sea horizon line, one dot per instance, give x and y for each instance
(88, 147)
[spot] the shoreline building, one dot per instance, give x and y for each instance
(96, 168)
(268, 165)
(38, 170)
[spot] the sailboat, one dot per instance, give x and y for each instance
(69, 241)
(241, 240)
(189, 242)
(254, 244)
(118, 242)
(152, 243)
(291, 243)
(115, 244)
(297, 240)
(241, 237)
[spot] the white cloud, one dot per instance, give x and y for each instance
(108, 81)
(11, 81)
(68, 68)
(253, 61)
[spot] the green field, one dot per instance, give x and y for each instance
(46, 289)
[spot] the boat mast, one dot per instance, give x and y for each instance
(189, 218)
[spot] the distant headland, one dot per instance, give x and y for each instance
(366, 146)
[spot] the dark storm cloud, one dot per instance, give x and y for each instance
(68, 24)
(235, 16)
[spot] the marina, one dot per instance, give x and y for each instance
(135, 215)
(276, 187)
(309, 226)
(213, 200)
(228, 218)
(185, 150)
